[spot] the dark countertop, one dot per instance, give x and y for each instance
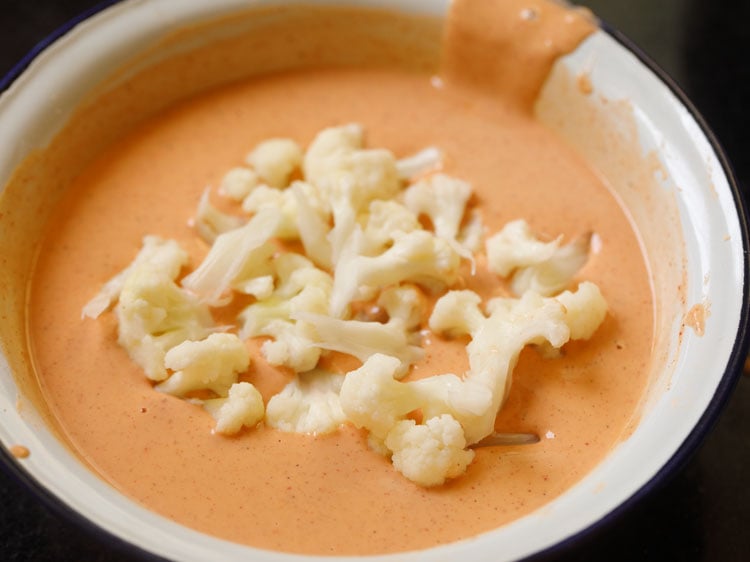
(702, 513)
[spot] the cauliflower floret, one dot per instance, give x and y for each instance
(210, 222)
(154, 315)
(303, 216)
(348, 177)
(498, 340)
(301, 288)
(166, 255)
(331, 141)
(457, 313)
(312, 224)
(471, 235)
(585, 310)
(345, 216)
(275, 160)
(295, 272)
(231, 258)
(417, 256)
(497, 343)
(280, 200)
(385, 222)
(292, 345)
(243, 407)
(372, 398)
(308, 404)
(261, 287)
(443, 199)
(403, 302)
(429, 453)
(515, 247)
(363, 339)
(426, 160)
(543, 267)
(238, 182)
(209, 364)
(551, 276)
(335, 162)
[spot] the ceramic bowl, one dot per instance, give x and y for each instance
(691, 213)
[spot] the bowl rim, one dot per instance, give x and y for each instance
(740, 349)
(8, 464)
(676, 462)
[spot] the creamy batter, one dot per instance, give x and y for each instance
(332, 495)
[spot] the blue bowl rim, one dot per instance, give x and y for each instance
(678, 460)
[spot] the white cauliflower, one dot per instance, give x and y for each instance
(165, 255)
(312, 224)
(261, 286)
(154, 315)
(386, 221)
(471, 235)
(348, 177)
(418, 256)
(515, 246)
(372, 398)
(363, 339)
(210, 222)
(403, 302)
(426, 160)
(238, 182)
(543, 267)
(496, 344)
(209, 364)
(279, 200)
(335, 161)
(308, 404)
(329, 142)
(233, 257)
(553, 275)
(303, 216)
(243, 407)
(291, 345)
(512, 324)
(443, 199)
(302, 288)
(275, 160)
(585, 310)
(345, 221)
(457, 313)
(429, 453)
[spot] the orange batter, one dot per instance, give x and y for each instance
(332, 495)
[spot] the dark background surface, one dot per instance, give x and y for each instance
(703, 511)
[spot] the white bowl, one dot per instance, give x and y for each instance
(701, 219)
